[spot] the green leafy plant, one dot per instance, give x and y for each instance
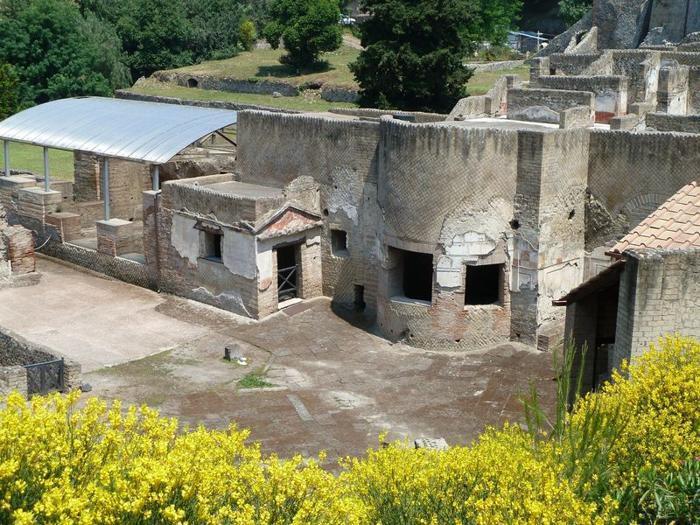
(254, 379)
(573, 10)
(9, 91)
(415, 52)
(306, 29)
(248, 34)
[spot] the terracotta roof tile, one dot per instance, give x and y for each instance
(675, 224)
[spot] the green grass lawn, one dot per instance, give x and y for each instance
(299, 103)
(31, 158)
(262, 64)
(480, 83)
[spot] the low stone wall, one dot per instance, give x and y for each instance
(122, 269)
(489, 67)
(16, 352)
(544, 105)
(666, 122)
(339, 94)
(610, 91)
(217, 104)
(412, 116)
(233, 85)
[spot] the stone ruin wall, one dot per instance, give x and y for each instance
(659, 294)
(630, 175)
(230, 285)
(329, 164)
(16, 249)
(449, 192)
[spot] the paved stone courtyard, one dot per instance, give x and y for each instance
(337, 386)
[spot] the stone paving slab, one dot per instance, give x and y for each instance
(337, 386)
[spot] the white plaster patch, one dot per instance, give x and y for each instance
(185, 238)
(343, 195)
(449, 271)
(264, 263)
(470, 244)
(313, 241)
(238, 253)
(230, 300)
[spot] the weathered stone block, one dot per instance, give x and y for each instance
(115, 237)
(67, 224)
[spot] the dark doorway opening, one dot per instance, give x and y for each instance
(417, 275)
(192, 83)
(287, 272)
(359, 302)
(484, 284)
(212, 246)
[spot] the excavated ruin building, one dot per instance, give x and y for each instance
(450, 232)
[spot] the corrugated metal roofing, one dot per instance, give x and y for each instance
(126, 129)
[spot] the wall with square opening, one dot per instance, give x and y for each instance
(211, 246)
(339, 243)
(411, 276)
(484, 285)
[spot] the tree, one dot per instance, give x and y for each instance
(415, 51)
(248, 35)
(9, 91)
(216, 27)
(58, 53)
(306, 28)
(573, 10)
(155, 34)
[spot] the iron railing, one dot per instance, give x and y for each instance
(287, 283)
(45, 377)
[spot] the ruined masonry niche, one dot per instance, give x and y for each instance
(212, 246)
(339, 243)
(484, 285)
(412, 275)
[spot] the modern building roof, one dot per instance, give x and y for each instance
(127, 129)
(675, 224)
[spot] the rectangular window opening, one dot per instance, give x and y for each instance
(339, 242)
(412, 276)
(212, 246)
(484, 285)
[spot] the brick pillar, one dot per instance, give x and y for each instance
(311, 281)
(9, 186)
(151, 230)
(67, 225)
(20, 244)
(115, 237)
(34, 204)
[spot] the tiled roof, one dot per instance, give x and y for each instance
(675, 224)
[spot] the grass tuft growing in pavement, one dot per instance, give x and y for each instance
(254, 379)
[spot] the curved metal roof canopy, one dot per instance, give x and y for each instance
(125, 129)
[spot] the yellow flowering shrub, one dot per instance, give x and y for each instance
(103, 464)
(59, 464)
(502, 478)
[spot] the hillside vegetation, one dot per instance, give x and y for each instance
(264, 64)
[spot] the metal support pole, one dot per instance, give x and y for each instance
(47, 182)
(155, 177)
(105, 186)
(6, 151)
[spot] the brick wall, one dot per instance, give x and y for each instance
(660, 296)
(631, 174)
